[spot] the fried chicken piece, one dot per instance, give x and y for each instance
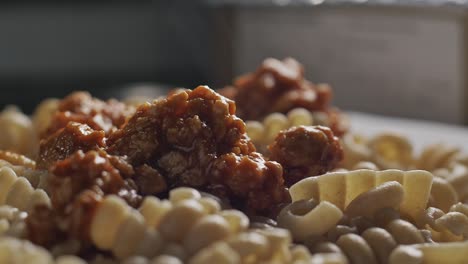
(82, 108)
(82, 171)
(280, 86)
(66, 141)
(193, 138)
(306, 151)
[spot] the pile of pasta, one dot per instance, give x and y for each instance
(385, 205)
(262, 133)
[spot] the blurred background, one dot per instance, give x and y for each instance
(396, 58)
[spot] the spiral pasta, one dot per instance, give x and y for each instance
(436, 156)
(43, 114)
(18, 192)
(340, 188)
(298, 216)
(263, 133)
(18, 134)
(391, 151)
(180, 226)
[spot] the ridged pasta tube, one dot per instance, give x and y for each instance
(306, 218)
(340, 188)
(18, 192)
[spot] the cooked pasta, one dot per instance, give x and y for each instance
(263, 133)
(386, 204)
(297, 217)
(340, 188)
(43, 114)
(436, 156)
(391, 151)
(18, 192)
(18, 133)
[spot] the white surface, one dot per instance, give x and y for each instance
(420, 133)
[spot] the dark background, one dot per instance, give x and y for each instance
(55, 47)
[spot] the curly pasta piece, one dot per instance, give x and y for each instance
(355, 149)
(274, 123)
(391, 151)
(153, 210)
(356, 249)
(365, 165)
(263, 133)
(109, 216)
(237, 220)
(328, 258)
(14, 251)
(132, 229)
(437, 156)
(386, 195)
(298, 216)
(340, 188)
(381, 242)
(43, 114)
(457, 176)
(446, 252)
(207, 230)
(219, 252)
(456, 222)
(443, 195)
(178, 221)
(404, 232)
(406, 255)
(18, 192)
(18, 134)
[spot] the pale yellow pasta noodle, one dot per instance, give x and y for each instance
(18, 133)
(381, 242)
(16, 251)
(356, 249)
(178, 221)
(355, 148)
(274, 123)
(406, 255)
(219, 252)
(153, 210)
(298, 216)
(328, 258)
(206, 231)
(340, 188)
(128, 236)
(109, 216)
(386, 195)
(391, 151)
(447, 253)
(43, 114)
(165, 259)
(300, 117)
(18, 192)
(443, 195)
(237, 220)
(437, 156)
(183, 193)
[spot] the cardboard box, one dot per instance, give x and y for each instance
(381, 57)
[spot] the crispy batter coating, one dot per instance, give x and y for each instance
(92, 170)
(82, 108)
(280, 86)
(306, 151)
(66, 141)
(193, 138)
